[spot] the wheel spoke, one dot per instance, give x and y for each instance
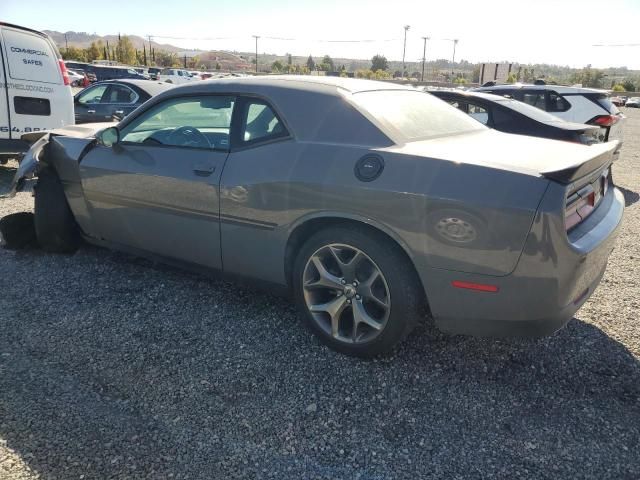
(334, 308)
(348, 268)
(360, 315)
(366, 289)
(327, 279)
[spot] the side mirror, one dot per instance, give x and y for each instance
(108, 137)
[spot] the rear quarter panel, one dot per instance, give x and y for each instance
(268, 192)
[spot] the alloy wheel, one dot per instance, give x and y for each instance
(346, 293)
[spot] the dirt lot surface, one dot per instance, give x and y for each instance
(113, 367)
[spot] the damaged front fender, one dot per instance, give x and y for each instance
(25, 175)
(78, 139)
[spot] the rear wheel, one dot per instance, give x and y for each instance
(56, 228)
(357, 290)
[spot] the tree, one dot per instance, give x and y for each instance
(327, 64)
(166, 59)
(218, 67)
(277, 67)
(629, 86)
(125, 52)
(95, 51)
(512, 78)
(74, 53)
(311, 65)
(618, 88)
(379, 62)
(588, 77)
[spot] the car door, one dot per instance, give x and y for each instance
(254, 190)
(87, 103)
(119, 100)
(157, 189)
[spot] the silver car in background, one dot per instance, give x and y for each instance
(374, 204)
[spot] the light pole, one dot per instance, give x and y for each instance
(424, 56)
(256, 37)
(453, 59)
(404, 48)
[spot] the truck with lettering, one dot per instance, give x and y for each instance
(35, 90)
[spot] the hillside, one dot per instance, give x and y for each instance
(83, 40)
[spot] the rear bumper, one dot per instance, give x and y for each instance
(554, 277)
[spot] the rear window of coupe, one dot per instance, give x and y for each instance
(414, 115)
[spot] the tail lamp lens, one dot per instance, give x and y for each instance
(63, 71)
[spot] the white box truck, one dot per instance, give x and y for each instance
(35, 92)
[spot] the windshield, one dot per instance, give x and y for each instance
(414, 115)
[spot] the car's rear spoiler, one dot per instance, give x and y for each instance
(604, 154)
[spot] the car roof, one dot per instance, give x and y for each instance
(469, 93)
(298, 82)
(149, 86)
(556, 88)
(19, 27)
(516, 106)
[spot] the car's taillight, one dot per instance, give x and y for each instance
(582, 203)
(63, 71)
(604, 120)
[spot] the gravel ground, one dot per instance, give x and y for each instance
(113, 367)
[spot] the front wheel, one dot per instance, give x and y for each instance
(357, 290)
(55, 225)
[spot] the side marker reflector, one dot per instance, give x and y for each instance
(480, 287)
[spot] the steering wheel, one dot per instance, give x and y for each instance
(188, 137)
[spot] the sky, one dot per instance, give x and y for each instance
(560, 32)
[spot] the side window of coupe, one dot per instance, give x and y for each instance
(92, 95)
(261, 123)
(195, 122)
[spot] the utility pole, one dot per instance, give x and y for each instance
(424, 56)
(256, 37)
(453, 59)
(66, 44)
(404, 48)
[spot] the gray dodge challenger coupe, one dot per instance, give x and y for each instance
(372, 203)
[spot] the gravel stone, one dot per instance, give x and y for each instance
(115, 367)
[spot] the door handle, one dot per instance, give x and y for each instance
(91, 111)
(204, 169)
(119, 112)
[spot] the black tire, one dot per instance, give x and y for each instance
(17, 231)
(405, 292)
(56, 228)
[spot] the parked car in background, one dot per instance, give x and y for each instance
(104, 101)
(35, 91)
(154, 72)
(618, 101)
(108, 72)
(142, 71)
(573, 104)
(175, 76)
(371, 202)
(76, 79)
(512, 116)
(633, 102)
(81, 68)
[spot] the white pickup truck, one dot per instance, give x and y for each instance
(175, 76)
